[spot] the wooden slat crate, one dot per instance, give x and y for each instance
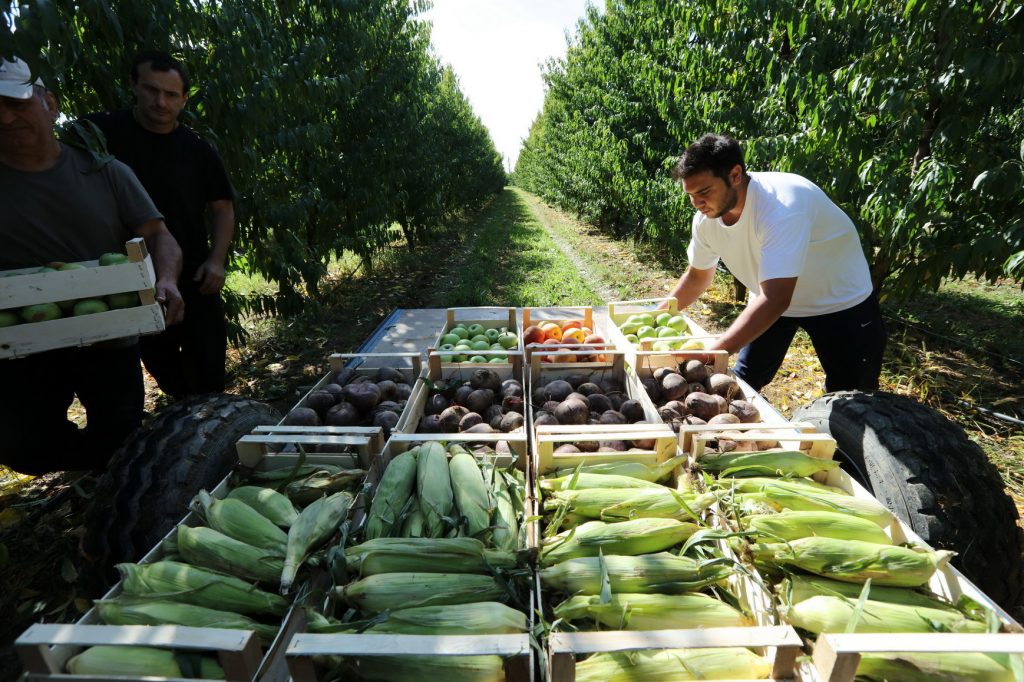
(584, 315)
(619, 312)
(488, 318)
(31, 287)
(364, 441)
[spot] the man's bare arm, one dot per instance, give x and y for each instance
(759, 315)
(211, 273)
(691, 285)
(167, 263)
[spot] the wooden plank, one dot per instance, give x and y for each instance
(704, 638)
(307, 644)
(84, 330)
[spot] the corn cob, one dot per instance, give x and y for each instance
(798, 498)
(612, 504)
(584, 481)
(277, 476)
(238, 520)
(311, 488)
(157, 612)
(393, 491)
(206, 547)
(931, 667)
(194, 585)
(425, 558)
(267, 501)
(854, 561)
(797, 588)
(629, 538)
(771, 463)
(833, 614)
(447, 668)
(434, 489)
(136, 661)
(472, 495)
(505, 530)
(661, 573)
(315, 525)
(793, 525)
(796, 485)
(477, 618)
(407, 590)
(674, 664)
(646, 472)
(412, 526)
(653, 611)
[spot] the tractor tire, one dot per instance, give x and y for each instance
(924, 468)
(150, 481)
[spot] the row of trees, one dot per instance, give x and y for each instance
(909, 114)
(334, 119)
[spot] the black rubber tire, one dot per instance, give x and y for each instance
(924, 468)
(151, 480)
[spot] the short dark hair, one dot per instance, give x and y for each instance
(161, 61)
(716, 153)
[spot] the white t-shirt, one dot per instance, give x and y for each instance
(788, 228)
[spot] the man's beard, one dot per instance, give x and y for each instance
(731, 199)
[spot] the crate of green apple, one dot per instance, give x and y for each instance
(483, 400)
(467, 339)
(373, 389)
(65, 304)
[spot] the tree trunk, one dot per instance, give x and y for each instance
(739, 291)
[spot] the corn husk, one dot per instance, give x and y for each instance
(661, 573)
(780, 494)
(315, 525)
(472, 495)
(652, 611)
(412, 526)
(476, 618)
(318, 484)
(505, 531)
(584, 481)
(797, 588)
(267, 501)
(157, 612)
(434, 489)
(206, 547)
(407, 590)
(855, 561)
(136, 661)
(646, 472)
(393, 491)
(834, 614)
(277, 476)
(669, 665)
(793, 525)
(768, 463)
(616, 504)
(935, 667)
(759, 483)
(417, 668)
(238, 520)
(200, 586)
(626, 538)
(425, 555)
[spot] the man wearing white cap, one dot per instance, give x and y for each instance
(58, 207)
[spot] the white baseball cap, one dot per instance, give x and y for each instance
(16, 79)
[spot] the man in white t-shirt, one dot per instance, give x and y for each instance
(798, 254)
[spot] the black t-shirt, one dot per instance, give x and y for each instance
(180, 170)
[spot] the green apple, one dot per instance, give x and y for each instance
(646, 319)
(662, 346)
(447, 347)
(478, 358)
(464, 345)
(497, 361)
(475, 329)
(666, 331)
(646, 332)
(451, 339)
(481, 345)
(8, 318)
(630, 327)
(127, 299)
(492, 334)
(446, 358)
(113, 259)
(633, 338)
(45, 268)
(459, 331)
(662, 319)
(693, 345)
(71, 266)
(89, 306)
(40, 312)
(480, 337)
(458, 358)
(497, 346)
(508, 340)
(679, 324)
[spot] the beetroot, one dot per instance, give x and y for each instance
(451, 417)
(724, 418)
(576, 396)
(470, 420)
(436, 404)
(492, 412)
(611, 385)
(557, 390)
(694, 371)
(462, 394)
(431, 423)
(320, 401)
(513, 404)
(612, 417)
(743, 409)
(543, 418)
(632, 410)
(566, 449)
(363, 395)
(511, 387)
(599, 402)
(653, 388)
(302, 416)
(479, 400)
(402, 391)
(673, 386)
(390, 374)
(388, 406)
(701, 405)
(589, 388)
(550, 406)
(485, 379)
(343, 414)
(343, 376)
(387, 421)
(612, 446)
(723, 385)
(335, 390)
(660, 373)
(481, 428)
(388, 389)
(572, 412)
(511, 421)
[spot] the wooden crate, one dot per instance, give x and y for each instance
(488, 318)
(547, 438)
(585, 315)
(365, 441)
(368, 364)
(619, 312)
(31, 287)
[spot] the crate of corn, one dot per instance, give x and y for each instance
(361, 390)
(653, 324)
(840, 562)
(437, 564)
(479, 335)
(565, 337)
(235, 563)
(472, 398)
(623, 577)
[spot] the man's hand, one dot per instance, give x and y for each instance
(210, 276)
(168, 295)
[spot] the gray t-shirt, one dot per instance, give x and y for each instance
(69, 212)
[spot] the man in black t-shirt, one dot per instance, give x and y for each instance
(188, 183)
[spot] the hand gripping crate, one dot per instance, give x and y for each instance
(20, 288)
(778, 643)
(515, 649)
(567, 353)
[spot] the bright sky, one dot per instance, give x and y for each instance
(496, 48)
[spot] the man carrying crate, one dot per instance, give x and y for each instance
(797, 253)
(58, 207)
